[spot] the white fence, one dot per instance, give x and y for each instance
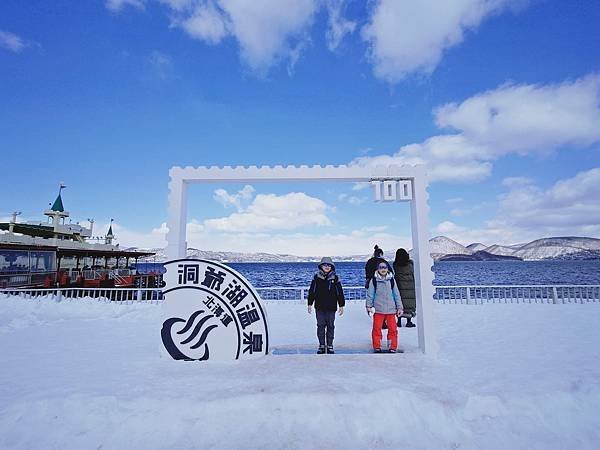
(469, 295)
(123, 295)
(476, 295)
(300, 294)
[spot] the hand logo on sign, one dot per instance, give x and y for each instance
(186, 339)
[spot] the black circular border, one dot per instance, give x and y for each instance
(236, 275)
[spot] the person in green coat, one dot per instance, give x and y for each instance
(404, 273)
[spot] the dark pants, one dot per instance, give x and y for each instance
(325, 326)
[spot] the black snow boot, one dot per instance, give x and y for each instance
(409, 323)
(330, 349)
(321, 350)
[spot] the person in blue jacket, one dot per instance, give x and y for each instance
(383, 298)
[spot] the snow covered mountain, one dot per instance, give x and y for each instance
(441, 246)
(476, 246)
(560, 248)
(480, 255)
(502, 250)
(248, 257)
(540, 249)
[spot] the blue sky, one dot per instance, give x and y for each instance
(499, 98)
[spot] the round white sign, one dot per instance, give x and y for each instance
(211, 312)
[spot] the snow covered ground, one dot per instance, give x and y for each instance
(88, 375)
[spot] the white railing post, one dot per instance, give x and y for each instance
(554, 295)
(59, 295)
(468, 295)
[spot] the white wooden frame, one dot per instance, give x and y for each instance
(181, 177)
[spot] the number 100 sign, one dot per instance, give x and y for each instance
(392, 190)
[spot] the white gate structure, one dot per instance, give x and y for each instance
(391, 183)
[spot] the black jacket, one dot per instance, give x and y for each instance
(326, 293)
(405, 279)
(371, 268)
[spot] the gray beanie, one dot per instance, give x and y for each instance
(327, 260)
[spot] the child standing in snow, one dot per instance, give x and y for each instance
(384, 297)
(326, 293)
(373, 263)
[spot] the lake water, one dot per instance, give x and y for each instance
(446, 273)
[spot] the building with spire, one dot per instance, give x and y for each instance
(109, 236)
(40, 252)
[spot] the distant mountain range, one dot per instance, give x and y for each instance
(248, 257)
(442, 249)
(554, 248)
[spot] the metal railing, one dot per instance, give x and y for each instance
(121, 295)
(475, 295)
(469, 295)
(300, 294)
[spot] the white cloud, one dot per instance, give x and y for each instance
(161, 65)
(447, 227)
(467, 209)
(178, 5)
(267, 31)
(454, 200)
(407, 36)
(238, 200)
(447, 157)
(570, 204)
(269, 224)
(264, 28)
(516, 181)
(356, 242)
(330, 243)
(274, 212)
(294, 55)
(463, 235)
(206, 22)
(360, 186)
(126, 237)
(118, 5)
(528, 118)
(12, 42)
(570, 207)
(519, 119)
(352, 199)
(338, 26)
(459, 212)
(404, 36)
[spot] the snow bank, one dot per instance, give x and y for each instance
(16, 313)
(88, 375)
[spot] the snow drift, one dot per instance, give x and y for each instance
(83, 374)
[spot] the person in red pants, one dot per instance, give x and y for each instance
(383, 296)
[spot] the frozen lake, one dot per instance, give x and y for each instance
(446, 273)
